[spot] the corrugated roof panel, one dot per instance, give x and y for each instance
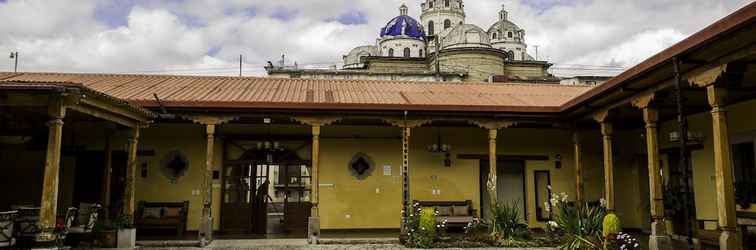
(230, 91)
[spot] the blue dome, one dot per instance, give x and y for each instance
(403, 25)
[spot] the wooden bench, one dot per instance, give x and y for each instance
(162, 215)
(710, 238)
(456, 213)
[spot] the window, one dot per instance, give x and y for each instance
(744, 169)
(447, 4)
(406, 52)
(542, 194)
(447, 24)
(430, 4)
(391, 52)
(493, 36)
(421, 53)
(509, 34)
(431, 29)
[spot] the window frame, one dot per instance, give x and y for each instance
(539, 216)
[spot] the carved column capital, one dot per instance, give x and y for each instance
(210, 120)
(493, 124)
(643, 101)
(708, 77)
(602, 116)
(402, 123)
(317, 121)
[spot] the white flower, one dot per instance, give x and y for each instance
(553, 224)
(547, 206)
(548, 187)
(603, 202)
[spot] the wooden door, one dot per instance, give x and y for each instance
(297, 189)
(237, 198)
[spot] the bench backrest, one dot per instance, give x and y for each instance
(183, 208)
(468, 203)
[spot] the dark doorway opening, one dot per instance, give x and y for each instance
(266, 192)
(510, 185)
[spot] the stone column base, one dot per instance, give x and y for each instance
(659, 239)
(659, 242)
(206, 231)
(730, 240)
(313, 230)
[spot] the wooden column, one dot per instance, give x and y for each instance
(659, 239)
(406, 207)
(107, 175)
(314, 220)
(129, 198)
(579, 183)
(49, 202)
(206, 225)
(651, 118)
(607, 132)
(729, 238)
(492, 126)
(209, 122)
(492, 191)
(406, 126)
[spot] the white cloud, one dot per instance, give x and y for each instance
(179, 35)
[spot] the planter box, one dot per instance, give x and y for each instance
(127, 238)
(124, 238)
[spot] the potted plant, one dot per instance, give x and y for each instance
(115, 233)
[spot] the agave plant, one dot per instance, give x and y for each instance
(507, 222)
(581, 224)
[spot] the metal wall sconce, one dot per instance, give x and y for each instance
(694, 137)
(558, 161)
(144, 170)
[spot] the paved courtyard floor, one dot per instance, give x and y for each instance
(300, 244)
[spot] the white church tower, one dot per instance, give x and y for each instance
(440, 15)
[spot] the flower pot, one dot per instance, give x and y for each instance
(127, 238)
(105, 239)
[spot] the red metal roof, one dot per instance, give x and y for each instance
(259, 92)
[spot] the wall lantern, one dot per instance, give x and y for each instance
(440, 147)
(694, 137)
(558, 161)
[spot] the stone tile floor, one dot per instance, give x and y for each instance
(299, 244)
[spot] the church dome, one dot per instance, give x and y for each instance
(466, 36)
(503, 25)
(403, 25)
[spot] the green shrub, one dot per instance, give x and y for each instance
(477, 231)
(424, 231)
(611, 225)
(581, 225)
(507, 222)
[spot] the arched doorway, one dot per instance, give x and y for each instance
(266, 191)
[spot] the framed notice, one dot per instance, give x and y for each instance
(387, 170)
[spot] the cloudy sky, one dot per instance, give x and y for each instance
(207, 36)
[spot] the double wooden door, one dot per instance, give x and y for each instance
(255, 192)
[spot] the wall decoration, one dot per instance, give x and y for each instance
(361, 166)
(174, 166)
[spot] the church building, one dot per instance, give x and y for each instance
(442, 46)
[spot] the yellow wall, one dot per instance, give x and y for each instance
(741, 128)
(375, 202)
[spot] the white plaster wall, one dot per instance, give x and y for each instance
(398, 44)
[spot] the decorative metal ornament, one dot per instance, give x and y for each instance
(361, 166)
(174, 166)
